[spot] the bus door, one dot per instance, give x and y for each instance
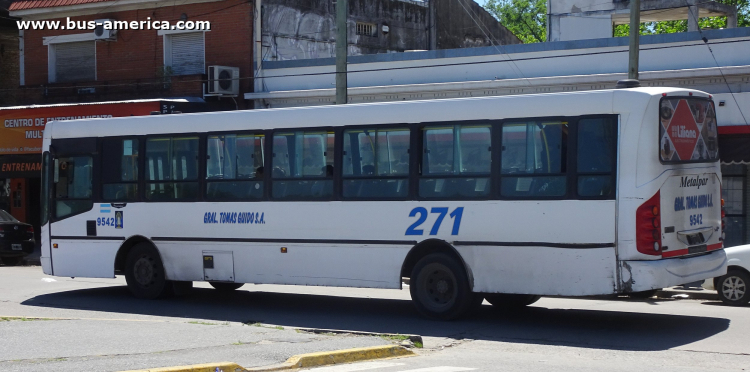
(70, 188)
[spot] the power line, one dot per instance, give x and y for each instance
(477, 23)
(705, 41)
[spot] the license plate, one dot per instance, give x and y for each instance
(16, 247)
(697, 249)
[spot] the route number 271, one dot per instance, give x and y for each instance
(441, 211)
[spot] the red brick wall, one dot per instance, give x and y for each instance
(138, 55)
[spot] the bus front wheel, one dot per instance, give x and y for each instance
(226, 287)
(440, 288)
(144, 273)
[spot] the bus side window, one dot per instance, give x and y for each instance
(119, 169)
(456, 161)
(234, 167)
(376, 163)
(171, 168)
(596, 154)
(534, 159)
(302, 165)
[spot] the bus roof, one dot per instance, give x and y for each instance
(406, 112)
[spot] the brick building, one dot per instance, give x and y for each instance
(79, 66)
(8, 55)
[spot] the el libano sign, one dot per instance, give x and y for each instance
(688, 130)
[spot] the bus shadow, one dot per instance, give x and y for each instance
(536, 325)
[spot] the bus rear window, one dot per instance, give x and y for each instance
(687, 130)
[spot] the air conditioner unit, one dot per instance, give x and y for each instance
(101, 33)
(223, 80)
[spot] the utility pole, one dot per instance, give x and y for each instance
(341, 50)
(635, 30)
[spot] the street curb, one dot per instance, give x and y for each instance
(208, 367)
(413, 338)
(298, 361)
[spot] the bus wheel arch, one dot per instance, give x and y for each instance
(122, 253)
(440, 283)
(429, 246)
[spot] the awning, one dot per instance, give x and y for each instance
(734, 148)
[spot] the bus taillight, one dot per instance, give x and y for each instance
(647, 223)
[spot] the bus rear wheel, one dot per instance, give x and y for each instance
(509, 301)
(144, 273)
(440, 288)
(226, 287)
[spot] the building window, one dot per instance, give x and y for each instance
(184, 53)
(72, 62)
(366, 29)
(732, 189)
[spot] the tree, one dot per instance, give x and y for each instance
(527, 19)
(668, 27)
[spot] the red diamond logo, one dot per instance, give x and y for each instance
(683, 131)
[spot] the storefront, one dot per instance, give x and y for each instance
(21, 144)
(734, 150)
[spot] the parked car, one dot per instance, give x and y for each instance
(734, 287)
(16, 239)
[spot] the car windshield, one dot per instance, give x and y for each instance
(6, 217)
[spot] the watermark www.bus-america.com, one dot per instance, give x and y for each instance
(147, 24)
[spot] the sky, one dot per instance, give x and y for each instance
(481, 2)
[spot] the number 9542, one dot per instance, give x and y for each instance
(696, 219)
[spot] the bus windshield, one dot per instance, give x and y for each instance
(687, 131)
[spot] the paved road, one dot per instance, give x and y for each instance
(109, 330)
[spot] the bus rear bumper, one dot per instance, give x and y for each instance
(645, 275)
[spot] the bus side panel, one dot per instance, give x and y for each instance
(371, 266)
(85, 258)
(542, 270)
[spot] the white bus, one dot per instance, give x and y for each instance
(502, 198)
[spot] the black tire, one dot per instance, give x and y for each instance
(12, 261)
(144, 273)
(733, 287)
(226, 287)
(510, 301)
(643, 294)
(440, 288)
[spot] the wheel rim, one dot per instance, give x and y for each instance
(144, 271)
(733, 288)
(437, 286)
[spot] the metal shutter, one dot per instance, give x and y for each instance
(75, 61)
(187, 53)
